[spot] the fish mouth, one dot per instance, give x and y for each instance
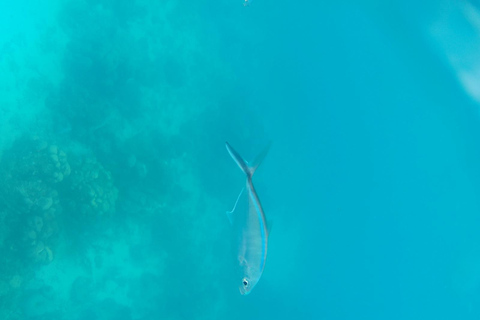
(242, 290)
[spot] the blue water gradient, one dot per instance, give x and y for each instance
(114, 178)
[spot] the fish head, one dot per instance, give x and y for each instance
(249, 280)
(245, 286)
(249, 275)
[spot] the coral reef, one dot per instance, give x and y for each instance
(41, 188)
(131, 77)
(31, 173)
(90, 191)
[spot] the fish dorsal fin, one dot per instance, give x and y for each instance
(230, 213)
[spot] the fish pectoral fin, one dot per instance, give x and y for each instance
(242, 261)
(230, 213)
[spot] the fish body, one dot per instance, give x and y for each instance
(250, 223)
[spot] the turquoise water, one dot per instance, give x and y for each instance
(115, 179)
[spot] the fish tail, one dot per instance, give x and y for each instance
(258, 160)
(249, 170)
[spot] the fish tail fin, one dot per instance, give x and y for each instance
(258, 160)
(249, 170)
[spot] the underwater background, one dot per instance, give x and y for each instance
(115, 180)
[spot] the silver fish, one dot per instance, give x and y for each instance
(251, 225)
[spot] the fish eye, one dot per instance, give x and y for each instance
(245, 282)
